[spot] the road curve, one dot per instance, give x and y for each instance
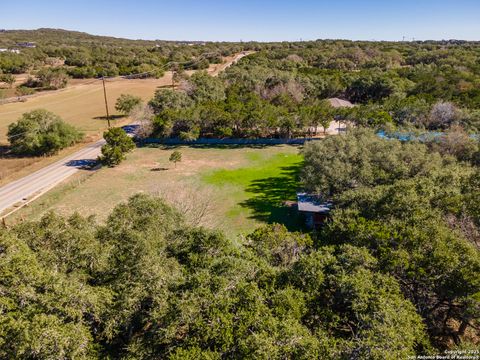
(17, 193)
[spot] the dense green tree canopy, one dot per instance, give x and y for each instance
(203, 87)
(281, 91)
(166, 99)
(52, 78)
(411, 208)
(41, 132)
(147, 285)
(126, 103)
(361, 158)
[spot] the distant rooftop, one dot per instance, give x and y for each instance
(311, 203)
(339, 103)
(27, 44)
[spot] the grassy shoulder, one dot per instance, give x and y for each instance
(232, 188)
(13, 168)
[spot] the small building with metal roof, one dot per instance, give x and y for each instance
(314, 208)
(340, 103)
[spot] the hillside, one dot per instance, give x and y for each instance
(87, 56)
(47, 36)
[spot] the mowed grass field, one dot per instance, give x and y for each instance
(237, 188)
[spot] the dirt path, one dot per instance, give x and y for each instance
(215, 69)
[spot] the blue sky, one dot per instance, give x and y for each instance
(266, 20)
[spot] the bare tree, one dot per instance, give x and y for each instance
(294, 58)
(178, 74)
(457, 142)
(443, 114)
(143, 115)
(187, 87)
(290, 88)
(466, 225)
(194, 203)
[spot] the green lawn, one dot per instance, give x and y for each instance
(261, 188)
(243, 186)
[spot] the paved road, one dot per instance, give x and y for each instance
(21, 191)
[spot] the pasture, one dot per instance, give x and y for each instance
(81, 104)
(233, 188)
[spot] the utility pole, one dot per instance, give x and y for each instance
(106, 103)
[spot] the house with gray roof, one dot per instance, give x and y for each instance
(313, 208)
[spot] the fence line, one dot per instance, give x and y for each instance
(228, 141)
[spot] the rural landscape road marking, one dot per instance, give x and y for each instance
(18, 193)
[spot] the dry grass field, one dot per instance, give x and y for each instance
(235, 188)
(81, 104)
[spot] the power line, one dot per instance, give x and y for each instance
(143, 73)
(103, 78)
(106, 102)
(168, 64)
(19, 134)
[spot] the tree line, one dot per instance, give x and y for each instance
(280, 90)
(86, 56)
(283, 92)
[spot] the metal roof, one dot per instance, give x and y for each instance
(311, 203)
(339, 103)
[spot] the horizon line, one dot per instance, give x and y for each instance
(411, 39)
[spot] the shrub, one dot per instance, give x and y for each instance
(8, 79)
(23, 91)
(52, 78)
(175, 157)
(165, 99)
(126, 103)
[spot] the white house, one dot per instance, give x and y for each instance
(16, 51)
